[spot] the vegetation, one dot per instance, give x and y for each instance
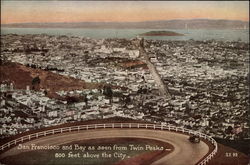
(107, 91)
(36, 80)
(161, 33)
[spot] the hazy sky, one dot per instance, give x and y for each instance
(75, 11)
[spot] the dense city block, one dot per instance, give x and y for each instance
(62, 79)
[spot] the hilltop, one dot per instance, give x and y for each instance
(161, 24)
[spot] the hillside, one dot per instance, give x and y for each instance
(229, 156)
(22, 76)
(161, 33)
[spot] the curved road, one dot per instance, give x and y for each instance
(184, 151)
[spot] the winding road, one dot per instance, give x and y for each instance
(184, 152)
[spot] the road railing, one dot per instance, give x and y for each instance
(26, 138)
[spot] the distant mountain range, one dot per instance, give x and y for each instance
(163, 24)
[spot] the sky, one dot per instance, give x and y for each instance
(120, 11)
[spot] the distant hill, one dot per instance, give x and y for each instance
(161, 33)
(163, 24)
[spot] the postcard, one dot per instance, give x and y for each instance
(124, 83)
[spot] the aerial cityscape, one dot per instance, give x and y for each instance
(75, 64)
(105, 78)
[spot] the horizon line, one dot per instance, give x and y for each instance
(181, 19)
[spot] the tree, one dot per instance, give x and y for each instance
(86, 100)
(107, 91)
(35, 81)
(229, 130)
(45, 92)
(142, 43)
(71, 99)
(3, 59)
(187, 108)
(127, 100)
